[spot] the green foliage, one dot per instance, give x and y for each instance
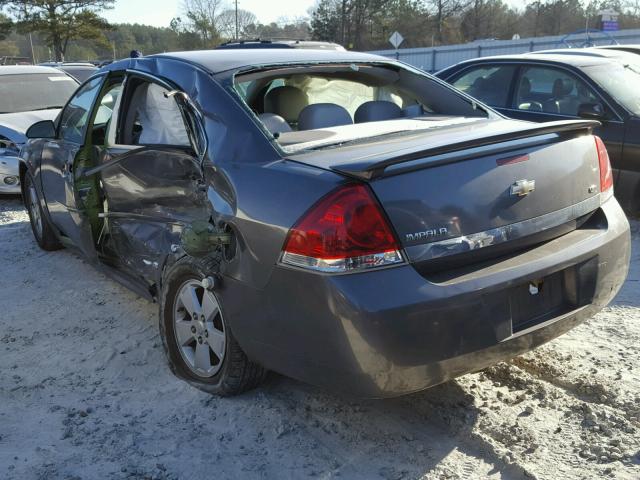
(6, 26)
(367, 24)
(60, 21)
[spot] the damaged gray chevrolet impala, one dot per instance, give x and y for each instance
(337, 217)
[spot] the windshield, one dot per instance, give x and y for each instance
(621, 81)
(35, 91)
(316, 106)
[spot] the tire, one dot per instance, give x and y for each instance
(184, 339)
(40, 226)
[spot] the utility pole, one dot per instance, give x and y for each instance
(237, 20)
(33, 54)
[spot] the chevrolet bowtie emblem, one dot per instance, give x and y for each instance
(523, 187)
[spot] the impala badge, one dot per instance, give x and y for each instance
(523, 187)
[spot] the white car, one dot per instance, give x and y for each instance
(28, 94)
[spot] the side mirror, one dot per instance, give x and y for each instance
(592, 111)
(42, 129)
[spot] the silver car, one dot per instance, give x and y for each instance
(27, 95)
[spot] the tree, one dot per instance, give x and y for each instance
(325, 22)
(488, 19)
(227, 20)
(442, 11)
(60, 21)
(6, 26)
(294, 29)
(202, 18)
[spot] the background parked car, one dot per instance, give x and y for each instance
(259, 43)
(28, 95)
(592, 83)
(81, 71)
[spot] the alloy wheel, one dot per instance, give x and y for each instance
(34, 209)
(199, 329)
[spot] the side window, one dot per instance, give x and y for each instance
(75, 117)
(152, 118)
(106, 106)
(549, 90)
(489, 83)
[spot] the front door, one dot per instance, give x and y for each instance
(59, 157)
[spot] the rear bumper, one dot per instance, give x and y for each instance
(392, 331)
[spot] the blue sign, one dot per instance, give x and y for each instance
(609, 26)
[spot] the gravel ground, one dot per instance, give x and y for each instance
(85, 393)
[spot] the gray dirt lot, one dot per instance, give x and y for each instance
(85, 393)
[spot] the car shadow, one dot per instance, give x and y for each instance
(432, 432)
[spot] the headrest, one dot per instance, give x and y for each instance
(582, 89)
(323, 115)
(525, 87)
(286, 101)
(414, 110)
(562, 87)
(479, 84)
(376, 111)
(274, 123)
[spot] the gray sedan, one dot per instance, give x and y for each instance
(333, 216)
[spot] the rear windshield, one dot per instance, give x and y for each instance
(317, 106)
(620, 80)
(39, 91)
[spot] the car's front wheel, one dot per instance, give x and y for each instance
(42, 230)
(197, 340)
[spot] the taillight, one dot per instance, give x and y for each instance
(606, 174)
(345, 231)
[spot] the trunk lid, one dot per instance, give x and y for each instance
(464, 187)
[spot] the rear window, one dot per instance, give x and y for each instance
(348, 94)
(317, 106)
(39, 91)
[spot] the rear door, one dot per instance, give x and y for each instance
(492, 84)
(59, 157)
(151, 176)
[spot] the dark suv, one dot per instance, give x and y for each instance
(591, 83)
(280, 43)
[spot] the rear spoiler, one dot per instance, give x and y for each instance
(369, 169)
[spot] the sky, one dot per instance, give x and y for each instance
(160, 12)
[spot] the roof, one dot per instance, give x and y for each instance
(634, 48)
(66, 64)
(27, 69)
(577, 57)
(76, 67)
(217, 61)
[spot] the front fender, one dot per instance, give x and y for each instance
(30, 160)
